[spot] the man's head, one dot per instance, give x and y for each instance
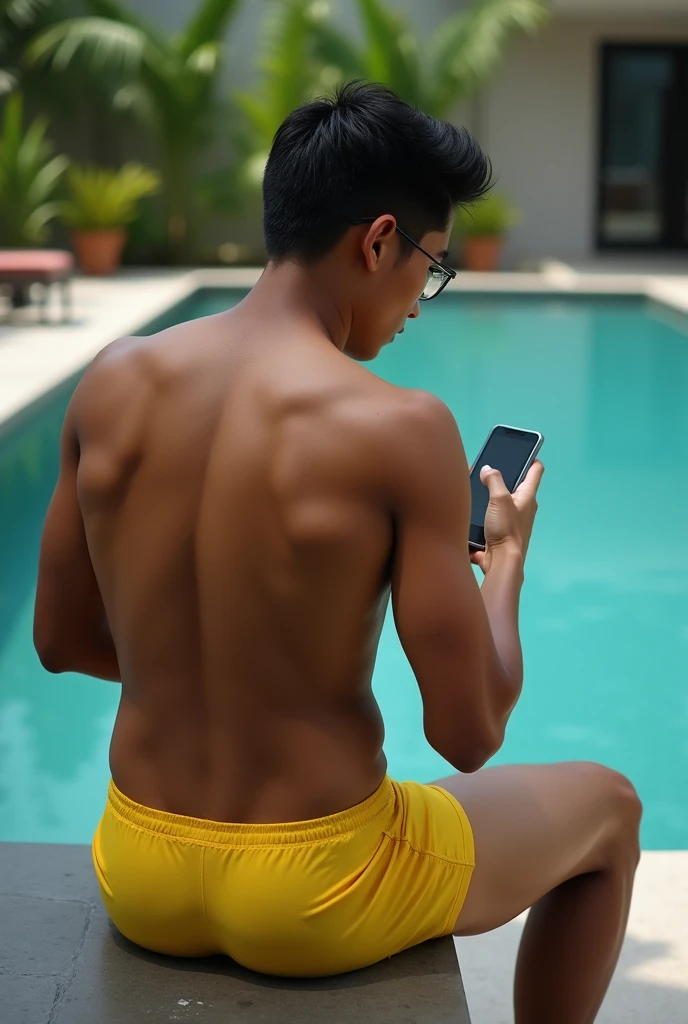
(343, 175)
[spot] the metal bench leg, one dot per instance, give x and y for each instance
(45, 295)
(66, 302)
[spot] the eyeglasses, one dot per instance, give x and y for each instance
(439, 274)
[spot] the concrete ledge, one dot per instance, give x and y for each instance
(62, 962)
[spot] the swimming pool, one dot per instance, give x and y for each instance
(605, 608)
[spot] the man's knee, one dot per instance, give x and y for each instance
(618, 801)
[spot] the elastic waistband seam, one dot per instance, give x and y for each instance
(271, 841)
(188, 841)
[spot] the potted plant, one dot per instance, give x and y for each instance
(102, 202)
(482, 228)
(29, 178)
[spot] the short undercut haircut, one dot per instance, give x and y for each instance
(362, 153)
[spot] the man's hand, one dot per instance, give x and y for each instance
(509, 518)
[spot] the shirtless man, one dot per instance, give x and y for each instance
(236, 501)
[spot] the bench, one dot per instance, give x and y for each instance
(62, 962)
(20, 268)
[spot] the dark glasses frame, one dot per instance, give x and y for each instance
(448, 273)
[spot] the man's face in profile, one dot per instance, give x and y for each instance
(389, 292)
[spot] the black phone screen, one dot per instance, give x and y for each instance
(507, 450)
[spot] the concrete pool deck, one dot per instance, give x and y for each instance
(651, 986)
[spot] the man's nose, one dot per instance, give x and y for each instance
(414, 312)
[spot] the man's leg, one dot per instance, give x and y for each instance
(562, 839)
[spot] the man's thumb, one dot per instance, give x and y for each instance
(494, 481)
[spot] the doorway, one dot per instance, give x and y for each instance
(643, 152)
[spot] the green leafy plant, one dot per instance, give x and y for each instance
(490, 216)
(461, 55)
(167, 81)
(20, 21)
(29, 178)
(290, 73)
(103, 198)
(16, 16)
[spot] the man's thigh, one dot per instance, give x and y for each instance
(534, 827)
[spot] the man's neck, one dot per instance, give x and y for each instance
(307, 295)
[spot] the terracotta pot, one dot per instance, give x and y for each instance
(482, 253)
(99, 250)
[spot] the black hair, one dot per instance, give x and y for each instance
(362, 153)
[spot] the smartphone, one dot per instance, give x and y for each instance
(510, 450)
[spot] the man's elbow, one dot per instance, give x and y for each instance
(467, 754)
(472, 759)
(50, 651)
(52, 660)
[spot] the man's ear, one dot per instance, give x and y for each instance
(379, 235)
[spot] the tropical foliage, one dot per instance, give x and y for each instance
(105, 198)
(290, 73)
(17, 17)
(459, 57)
(210, 150)
(29, 176)
(167, 81)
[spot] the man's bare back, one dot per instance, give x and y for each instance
(231, 481)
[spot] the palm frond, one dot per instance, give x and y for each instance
(334, 49)
(23, 12)
(33, 145)
(205, 59)
(29, 174)
(124, 14)
(467, 48)
(392, 53)
(208, 24)
(8, 81)
(134, 98)
(10, 138)
(38, 220)
(46, 179)
(289, 72)
(257, 113)
(107, 43)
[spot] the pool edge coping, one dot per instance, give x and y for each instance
(553, 279)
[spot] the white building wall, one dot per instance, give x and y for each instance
(539, 123)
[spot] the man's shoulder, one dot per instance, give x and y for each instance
(408, 415)
(118, 378)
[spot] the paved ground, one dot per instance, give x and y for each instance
(62, 963)
(651, 983)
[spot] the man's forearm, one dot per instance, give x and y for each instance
(501, 592)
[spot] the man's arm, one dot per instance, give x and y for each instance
(464, 649)
(71, 632)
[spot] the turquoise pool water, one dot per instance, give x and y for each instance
(605, 609)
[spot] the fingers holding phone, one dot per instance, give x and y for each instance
(510, 517)
(504, 484)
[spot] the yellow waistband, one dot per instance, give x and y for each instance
(238, 834)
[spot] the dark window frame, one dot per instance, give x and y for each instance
(676, 179)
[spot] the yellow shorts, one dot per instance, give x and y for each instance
(306, 898)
